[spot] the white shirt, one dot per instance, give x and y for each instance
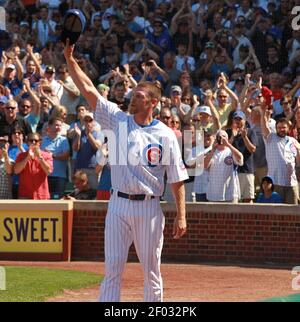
(223, 182)
(68, 100)
(43, 30)
(180, 63)
(281, 154)
(139, 156)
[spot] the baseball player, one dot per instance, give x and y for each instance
(134, 215)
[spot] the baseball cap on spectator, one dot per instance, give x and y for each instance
(50, 69)
(209, 44)
(158, 20)
(240, 67)
(88, 115)
(73, 25)
(24, 24)
(3, 99)
(203, 109)
(4, 138)
(267, 95)
(240, 80)
(176, 88)
(11, 66)
(222, 133)
(102, 87)
(239, 114)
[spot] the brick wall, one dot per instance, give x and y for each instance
(217, 233)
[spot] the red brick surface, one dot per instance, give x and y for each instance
(216, 237)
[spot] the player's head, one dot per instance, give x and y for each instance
(145, 97)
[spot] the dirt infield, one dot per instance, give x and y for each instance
(185, 283)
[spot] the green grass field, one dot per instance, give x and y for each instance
(35, 284)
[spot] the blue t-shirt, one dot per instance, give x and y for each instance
(274, 198)
(86, 155)
(13, 152)
(14, 85)
(57, 146)
(105, 179)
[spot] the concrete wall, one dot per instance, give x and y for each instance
(230, 233)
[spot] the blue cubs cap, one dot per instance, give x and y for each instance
(239, 114)
(73, 25)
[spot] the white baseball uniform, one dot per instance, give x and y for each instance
(150, 151)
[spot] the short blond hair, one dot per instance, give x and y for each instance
(152, 88)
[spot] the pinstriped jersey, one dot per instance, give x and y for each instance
(139, 155)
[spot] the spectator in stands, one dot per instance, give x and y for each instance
(44, 28)
(195, 160)
(118, 94)
(166, 116)
(86, 143)
(82, 190)
(268, 195)
(71, 95)
(244, 140)
(30, 107)
(223, 106)
(282, 152)
(11, 77)
(59, 111)
(104, 171)
(159, 39)
(6, 169)
(58, 145)
(16, 147)
(221, 162)
(57, 88)
(33, 168)
(11, 119)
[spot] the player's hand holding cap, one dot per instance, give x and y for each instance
(73, 25)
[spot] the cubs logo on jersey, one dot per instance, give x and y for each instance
(153, 154)
(228, 160)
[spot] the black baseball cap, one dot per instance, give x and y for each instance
(73, 25)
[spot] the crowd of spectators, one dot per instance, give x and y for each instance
(229, 72)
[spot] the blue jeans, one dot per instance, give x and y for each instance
(56, 187)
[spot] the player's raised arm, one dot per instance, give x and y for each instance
(81, 80)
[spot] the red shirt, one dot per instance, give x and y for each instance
(33, 181)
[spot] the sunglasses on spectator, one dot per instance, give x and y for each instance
(166, 117)
(26, 106)
(33, 140)
(17, 132)
(10, 108)
(222, 96)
